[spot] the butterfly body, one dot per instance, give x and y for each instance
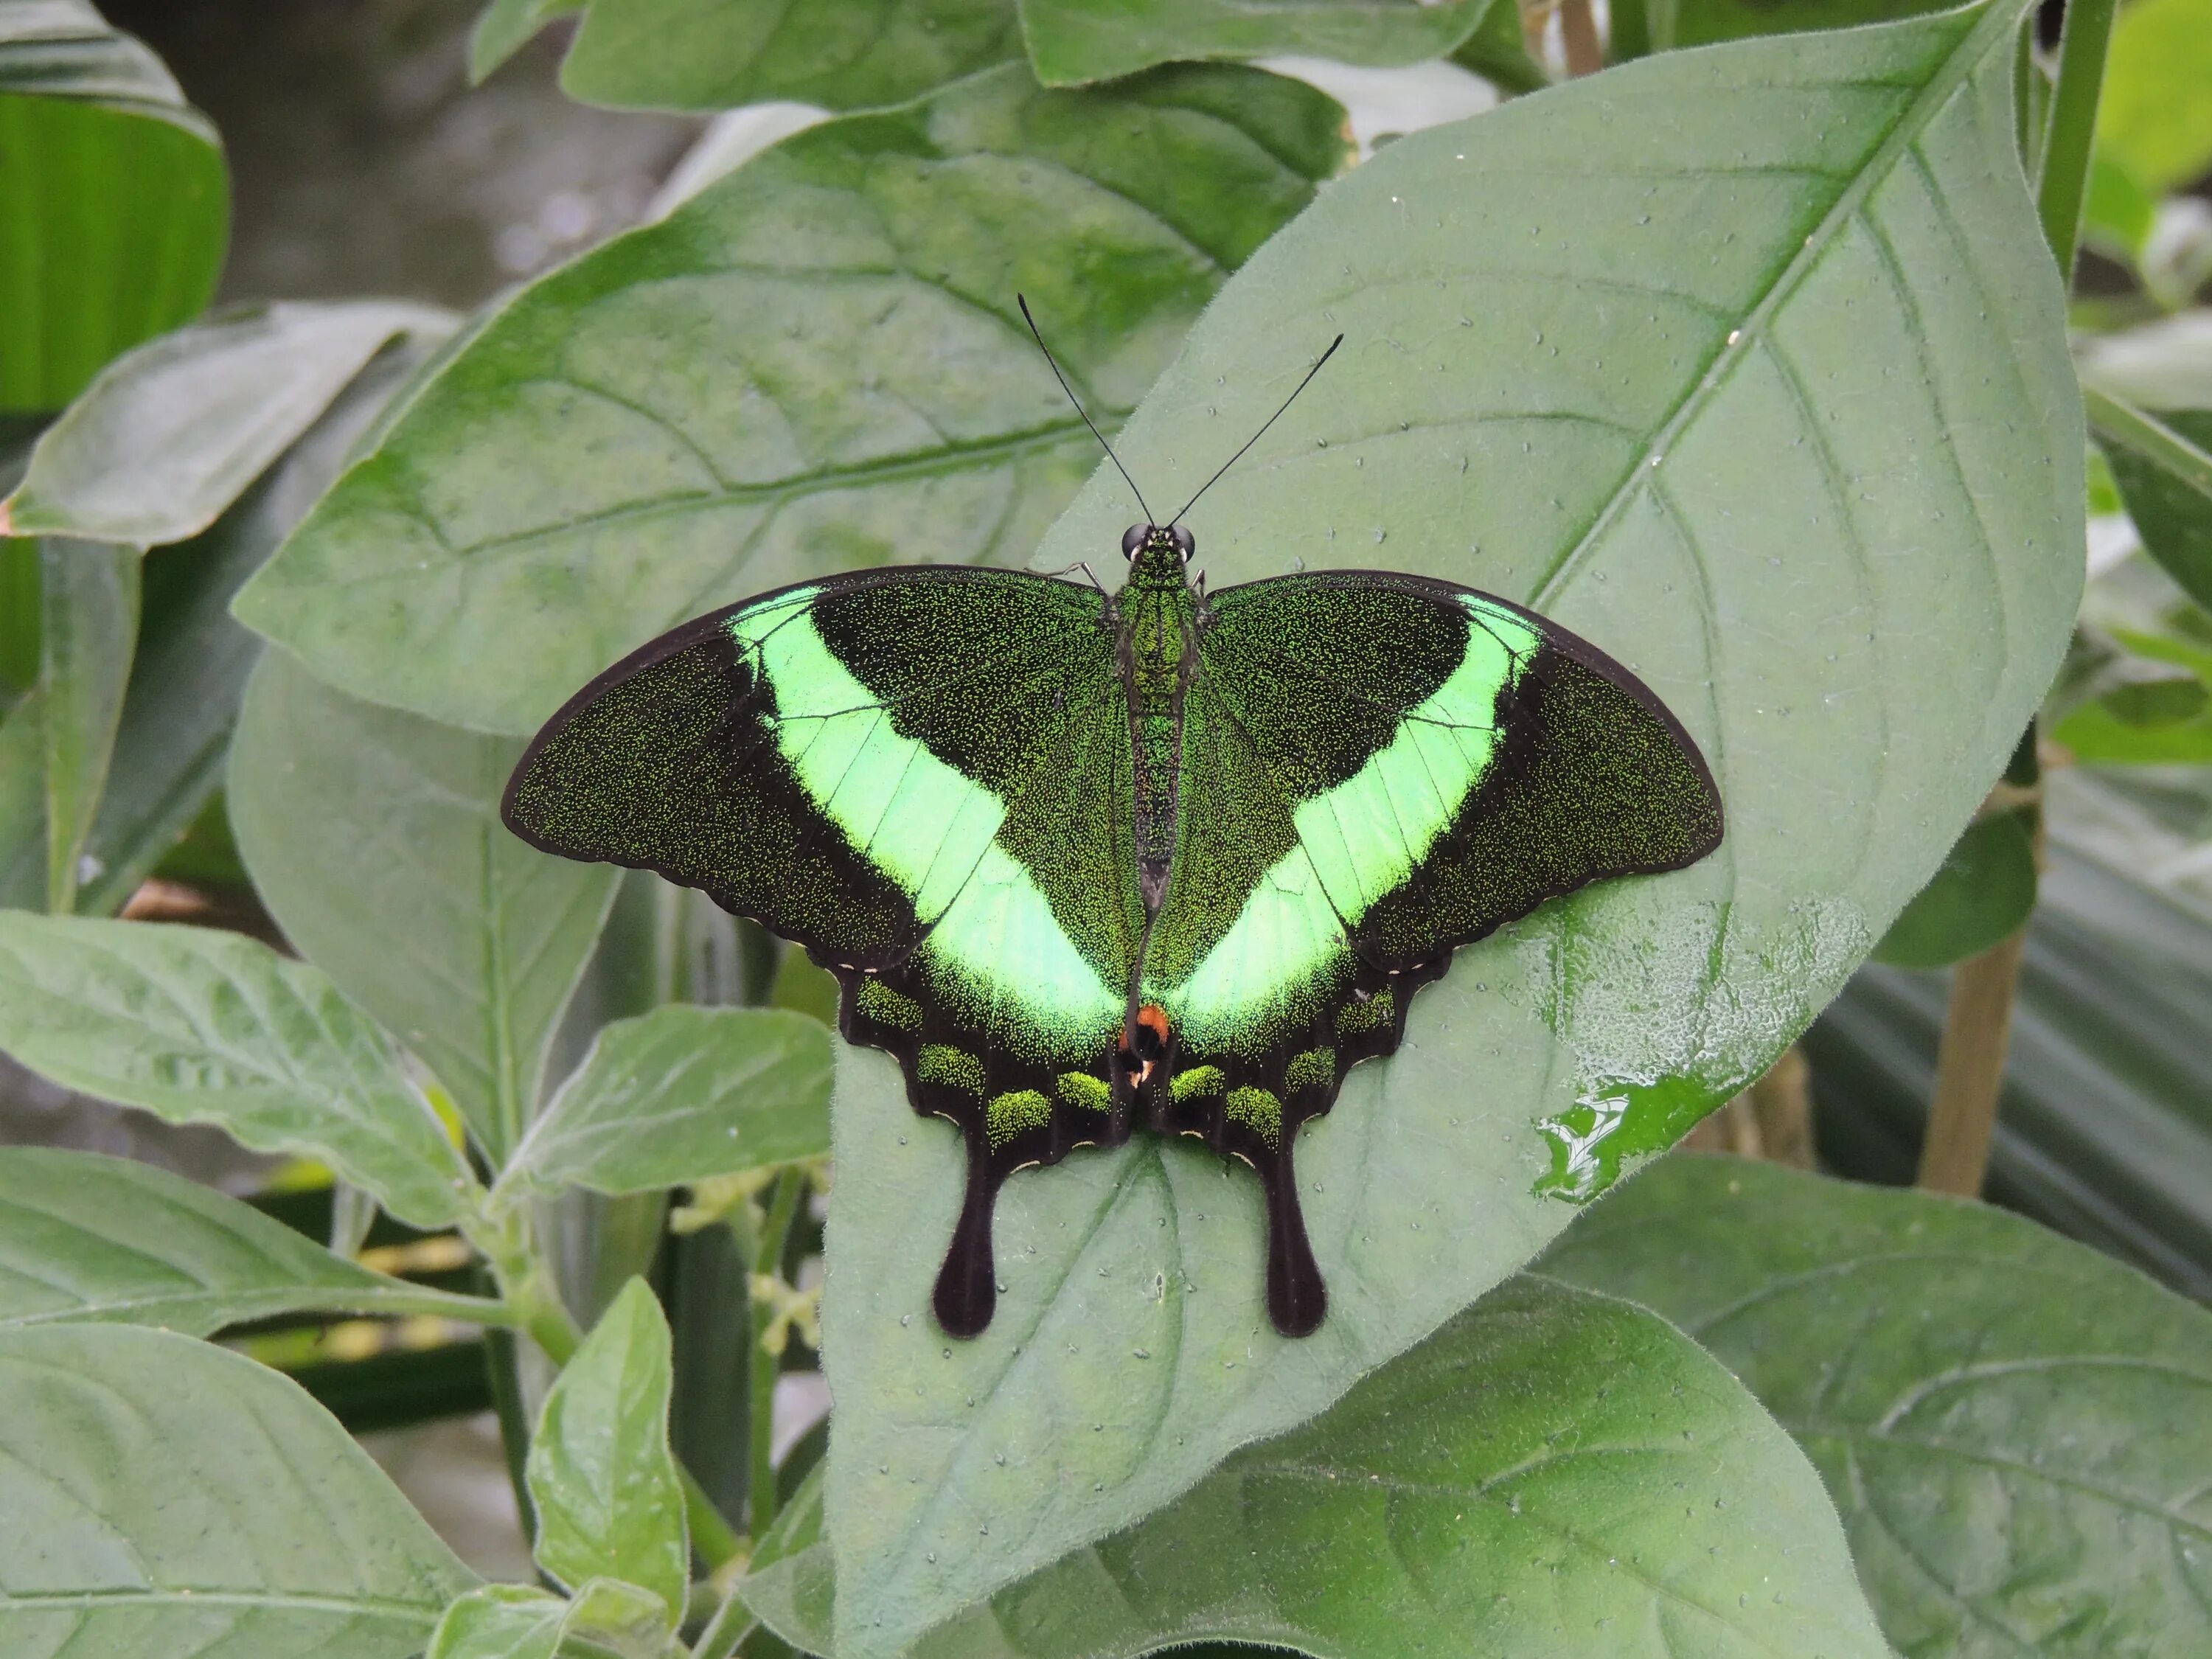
(1085, 864)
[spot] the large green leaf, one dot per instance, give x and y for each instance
(1749, 366)
(201, 1026)
(1551, 1473)
(815, 365)
(2017, 1429)
(114, 203)
(374, 838)
(678, 1095)
(161, 1497)
(193, 657)
(845, 54)
(173, 433)
(87, 1238)
(602, 1480)
(1076, 40)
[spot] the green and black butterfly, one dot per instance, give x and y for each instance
(1086, 862)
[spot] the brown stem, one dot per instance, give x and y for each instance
(1782, 1103)
(1969, 1069)
(1578, 34)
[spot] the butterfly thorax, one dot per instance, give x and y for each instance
(1158, 620)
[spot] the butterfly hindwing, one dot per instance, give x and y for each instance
(1377, 769)
(922, 777)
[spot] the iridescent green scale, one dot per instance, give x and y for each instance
(1088, 863)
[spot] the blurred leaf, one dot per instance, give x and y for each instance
(374, 839)
(586, 472)
(161, 1497)
(2154, 117)
(87, 1238)
(679, 1094)
(172, 434)
(1548, 1462)
(1982, 892)
(805, 986)
(1071, 42)
(2018, 1431)
(2165, 700)
(500, 1621)
(115, 200)
(1718, 507)
(2119, 212)
(2162, 463)
(506, 28)
(192, 660)
(200, 1026)
(717, 54)
(601, 1478)
(2166, 364)
(1497, 51)
(23, 805)
(2113, 731)
(87, 629)
(1676, 23)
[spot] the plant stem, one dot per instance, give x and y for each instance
(725, 1631)
(2123, 424)
(1970, 1070)
(759, 1481)
(2062, 177)
(1578, 35)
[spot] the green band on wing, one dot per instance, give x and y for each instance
(932, 831)
(955, 1068)
(1093, 1094)
(1197, 1081)
(1009, 1113)
(886, 1006)
(1314, 1069)
(1258, 1110)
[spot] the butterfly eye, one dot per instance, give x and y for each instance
(1185, 544)
(1132, 539)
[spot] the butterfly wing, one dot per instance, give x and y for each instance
(1377, 770)
(923, 777)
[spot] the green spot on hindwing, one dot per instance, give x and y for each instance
(1092, 1093)
(886, 1006)
(1357, 1016)
(1010, 1114)
(955, 1068)
(1314, 1069)
(1198, 1080)
(1258, 1110)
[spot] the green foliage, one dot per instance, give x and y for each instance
(114, 183)
(1982, 892)
(137, 1470)
(1076, 40)
(201, 1026)
(682, 1094)
(2162, 463)
(2016, 1428)
(1548, 1465)
(1677, 23)
(2156, 120)
(602, 1482)
(88, 624)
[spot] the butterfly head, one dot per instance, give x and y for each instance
(1156, 553)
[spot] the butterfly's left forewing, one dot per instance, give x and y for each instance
(923, 777)
(1377, 769)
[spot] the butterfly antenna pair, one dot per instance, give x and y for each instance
(1022, 301)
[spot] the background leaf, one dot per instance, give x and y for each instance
(374, 838)
(88, 626)
(135, 1469)
(815, 365)
(172, 434)
(717, 54)
(128, 207)
(2018, 1430)
(207, 1027)
(1677, 23)
(1982, 892)
(2155, 117)
(2162, 463)
(680, 1094)
(500, 1621)
(601, 1478)
(1711, 455)
(1550, 1473)
(1076, 40)
(87, 1238)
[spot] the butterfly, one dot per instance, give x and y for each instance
(1086, 862)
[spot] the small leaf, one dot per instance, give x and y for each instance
(127, 206)
(1553, 1472)
(2155, 117)
(161, 1497)
(84, 1236)
(2153, 677)
(2162, 463)
(505, 28)
(601, 1476)
(680, 1094)
(1071, 42)
(2165, 700)
(1982, 892)
(500, 1621)
(200, 1026)
(718, 54)
(814, 365)
(171, 434)
(2017, 1429)
(88, 626)
(374, 838)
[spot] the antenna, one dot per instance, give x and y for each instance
(1025, 304)
(1260, 434)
